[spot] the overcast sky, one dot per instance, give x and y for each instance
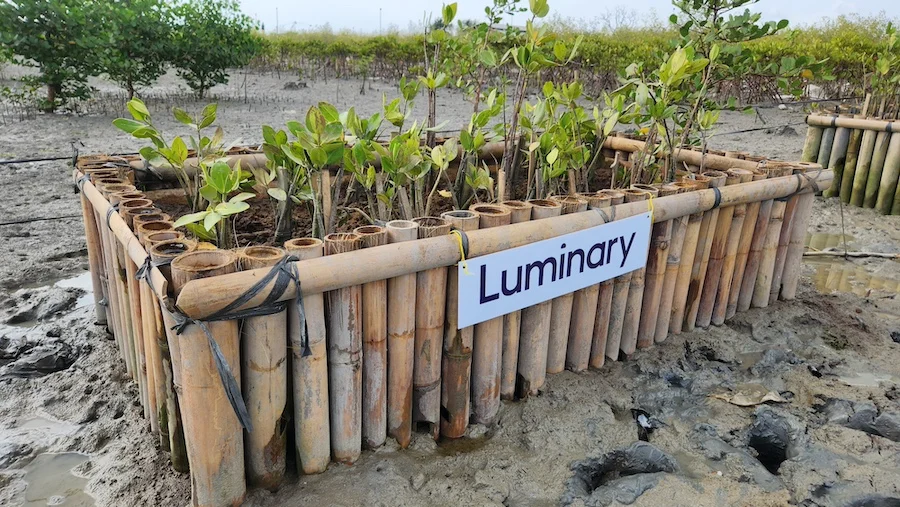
(363, 15)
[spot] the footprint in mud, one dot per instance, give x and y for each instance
(618, 476)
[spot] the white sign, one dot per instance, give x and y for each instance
(517, 278)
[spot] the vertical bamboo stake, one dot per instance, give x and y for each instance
(431, 294)
(783, 239)
(850, 161)
(812, 144)
(604, 302)
(584, 308)
(670, 275)
(456, 362)
(162, 253)
(794, 259)
(723, 293)
(824, 155)
(520, 211)
(535, 335)
(561, 310)
(889, 176)
(717, 254)
(92, 239)
(863, 165)
(212, 431)
(374, 356)
(708, 227)
(488, 346)
(837, 160)
(312, 430)
(767, 259)
(114, 276)
(882, 141)
(264, 382)
(686, 264)
(401, 326)
(344, 358)
(660, 240)
(631, 312)
(743, 252)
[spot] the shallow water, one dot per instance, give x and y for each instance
(50, 481)
(83, 282)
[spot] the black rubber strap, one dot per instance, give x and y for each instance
(889, 128)
(602, 211)
(834, 121)
(718, 194)
(465, 240)
(112, 209)
(79, 183)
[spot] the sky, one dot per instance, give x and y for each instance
(363, 15)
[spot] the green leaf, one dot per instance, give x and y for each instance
(553, 156)
(201, 233)
(179, 150)
(329, 112)
(219, 177)
(277, 194)
(182, 116)
(211, 219)
(318, 156)
(448, 13)
(127, 125)
(138, 110)
(539, 8)
(243, 196)
(191, 218)
(209, 193)
(268, 134)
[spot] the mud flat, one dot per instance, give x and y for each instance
(832, 355)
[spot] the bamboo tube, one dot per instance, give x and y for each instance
(660, 239)
(344, 358)
(852, 123)
(863, 166)
(743, 251)
(200, 300)
(812, 144)
(709, 160)
(882, 141)
(723, 292)
(794, 258)
(761, 291)
(113, 290)
(604, 302)
(535, 330)
(584, 307)
(154, 238)
(520, 211)
(631, 313)
(837, 161)
(487, 350)
(670, 274)
(431, 294)
(216, 454)
(561, 309)
(95, 258)
(401, 326)
(895, 207)
(170, 355)
(706, 238)
(784, 239)
(147, 228)
(889, 176)
(686, 264)
(850, 161)
(757, 248)
(264, 382)
(825, 149)
(456, 361)
(374, 355)
(312, 432)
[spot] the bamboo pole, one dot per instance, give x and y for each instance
(812, 144)
(757, 248)
(670, 274)
(706, 238)
(487, 351)
(882, 141)
(561, 309)
(431, 294)
(794, 258)
(853, 123)
(95, 259)
(344, 358)
(688, 256)
(318, 275)
(520, 211)
(401, 326)
(535, 335)
(170, 355)
(264, 382)
(850, 162)
(863, 166)
(312, 430)
(709, 161)
(604, 302)
(837, 161)
(374, 355)
(456, 361)
(743, 251)
(889, 176)
(660, 240)
(216, 453)
(761, 291)
(631, 314)
(784, 239)
(733, 238)
(111, 258)
(584, 307)
(825, 149)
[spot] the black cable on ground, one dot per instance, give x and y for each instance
(42, 219)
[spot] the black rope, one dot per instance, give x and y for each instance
(281, 276)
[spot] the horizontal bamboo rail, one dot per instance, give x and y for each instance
(817, 120)
(709, 161)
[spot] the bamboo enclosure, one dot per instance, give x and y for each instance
(365, 345)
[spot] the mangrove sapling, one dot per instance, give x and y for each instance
(358, 159)
(440, 156)
(403, 162)
(287, 176)
(435, 77)
(472, 139)
(215, 223)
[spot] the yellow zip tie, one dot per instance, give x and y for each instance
(650, 205)
(462, 251)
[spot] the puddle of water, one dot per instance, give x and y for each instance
(50, 481)
(842, 276)
(47, 425)
(868, 379)
(455, 446)
(83, 282)
(823, 241)
(749, 359)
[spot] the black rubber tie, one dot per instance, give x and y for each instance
(112, 209)
(465, 240)
(718, 194)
